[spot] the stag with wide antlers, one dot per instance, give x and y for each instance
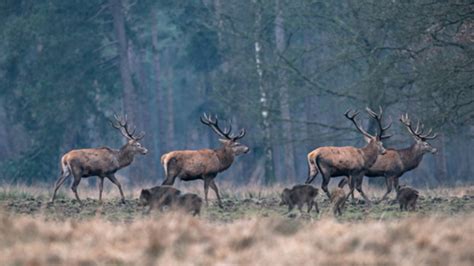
(348, 161)
(102, 162)
(395, 162)
(204, 164)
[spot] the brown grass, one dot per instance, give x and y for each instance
(180, 239)
(255, 233)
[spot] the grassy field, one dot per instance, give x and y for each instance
(251, 229)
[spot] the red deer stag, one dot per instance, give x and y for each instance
(395, 162)
(102, 162)
(348, 161)
(204, 164)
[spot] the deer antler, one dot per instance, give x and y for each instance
(121, 123)
(378, 118)
(226, 133)
(351, 117)
(418, 132)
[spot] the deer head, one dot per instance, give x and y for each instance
(418, 135)
(376, 139)
(227, 139)
(133, 145)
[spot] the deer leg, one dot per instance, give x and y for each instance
(101, 187)
(77, 180)
(206, 190)
(359, 180)
(214, 187)
(169, 181)
(59, 183)
(324, 185)
(389, 183)
(117, 183)
(351, 187)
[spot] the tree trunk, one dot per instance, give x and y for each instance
(288, 149)
(269, 174)
(170, 135)
(441, 170)
(129, 99)
(159, 98)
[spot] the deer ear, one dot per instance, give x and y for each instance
(367, 139)
(224, 141)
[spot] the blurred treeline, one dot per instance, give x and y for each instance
(285, 70)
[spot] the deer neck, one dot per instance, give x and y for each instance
(225, 156)
(125, 156)
(411, 157)
(370, 154)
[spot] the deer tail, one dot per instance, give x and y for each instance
(164, 163)
(313, 168)
(65, 167)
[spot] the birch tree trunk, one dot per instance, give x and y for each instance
(288, 148)
(269, 175)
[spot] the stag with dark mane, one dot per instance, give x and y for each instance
(102, 162)
(204, 164)
(395, 162)
(348, 161)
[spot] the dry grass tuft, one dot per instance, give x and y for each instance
(176, 238)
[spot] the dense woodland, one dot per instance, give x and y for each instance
(284, 70)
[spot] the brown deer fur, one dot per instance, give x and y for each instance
(299, 195)
(407, 197)
(338, 199)
(395, 162)
(347, 161)
(204, 164)
(102, 162)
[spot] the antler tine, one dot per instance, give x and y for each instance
(140, 136)
(227, 130)
(435, 135)
(389, 124)
(378, 117)
(241, 134)
(382, 135)
(207, 120)
(352, 118)
(121, 123)
(354, 114)
(417, 130)
(372, 113)
(214, 125)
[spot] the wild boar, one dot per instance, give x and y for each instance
(299, 195)
(188, 202)
(338, 200)
(158, 197)
(407, 197)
